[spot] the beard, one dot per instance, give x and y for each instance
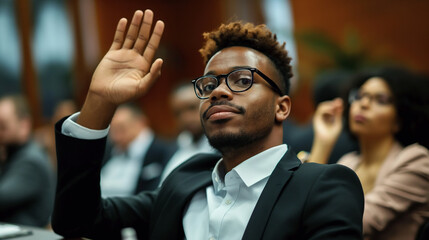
(226, 141)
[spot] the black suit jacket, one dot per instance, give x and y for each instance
(154, 161)
(300, 201)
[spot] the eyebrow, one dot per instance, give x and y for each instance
(375, 93)
(233, 68)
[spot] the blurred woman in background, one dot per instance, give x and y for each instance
(387, 111)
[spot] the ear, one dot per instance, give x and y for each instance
(283, 108)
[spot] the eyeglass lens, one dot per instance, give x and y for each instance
(380, 99)
(237, 81)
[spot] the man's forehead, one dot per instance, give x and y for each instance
(233, 57)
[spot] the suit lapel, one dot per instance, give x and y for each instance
(276, 183)
(177, 192)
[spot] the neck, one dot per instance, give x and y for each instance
(233, 156)
(375, 150)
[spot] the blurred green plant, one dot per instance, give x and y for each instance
(348, 55)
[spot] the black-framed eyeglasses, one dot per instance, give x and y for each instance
(238, 80)
(380, 99)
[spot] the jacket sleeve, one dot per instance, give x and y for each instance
(79, 210)
(405, 187)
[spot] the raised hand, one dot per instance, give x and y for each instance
(327, 125)
(327, 120)
(126, 72)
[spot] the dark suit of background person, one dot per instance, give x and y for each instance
(26, 174)
(133, 142)
(298, 201)
(157, 157)
(154, 162)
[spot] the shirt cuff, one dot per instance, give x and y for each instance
(72, 129)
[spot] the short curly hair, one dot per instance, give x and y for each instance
(410, 100)
(257, 37)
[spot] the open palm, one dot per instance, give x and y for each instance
(127, 70)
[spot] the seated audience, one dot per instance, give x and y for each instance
(135, 157)
(387, 111)
(26, 175)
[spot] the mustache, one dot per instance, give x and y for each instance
(239, 108)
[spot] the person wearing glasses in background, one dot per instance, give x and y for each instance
(256, 189)
(387, 111)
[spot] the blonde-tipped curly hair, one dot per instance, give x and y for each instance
(257, 37)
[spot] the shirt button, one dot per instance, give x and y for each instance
(227, 202)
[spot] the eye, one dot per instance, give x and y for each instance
(209, 87)
(243, 81)
(240, 79)
(383, 99)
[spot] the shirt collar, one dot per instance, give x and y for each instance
(138, 146)
(253, 169)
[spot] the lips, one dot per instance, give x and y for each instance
(220, 112)
(359, 118)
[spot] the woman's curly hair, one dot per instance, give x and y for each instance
(257, 37)
(410, 99)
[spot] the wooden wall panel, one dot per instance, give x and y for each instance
(185, 22)
(29, 84)
(398, 29)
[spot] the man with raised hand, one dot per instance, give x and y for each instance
(256, 189)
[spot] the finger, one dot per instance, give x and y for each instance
(156, 67)
(118, 39)
(152, 46)
(133, 29)
(154, 73)
(144, 32)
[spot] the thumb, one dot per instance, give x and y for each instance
(149, 79)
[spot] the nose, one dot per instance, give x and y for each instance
(221, 92)
(365, 101)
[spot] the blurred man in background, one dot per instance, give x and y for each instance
(191, 139)
(136, 157)
(26, 174)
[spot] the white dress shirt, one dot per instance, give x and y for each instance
(222, 210)
(119, 176)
